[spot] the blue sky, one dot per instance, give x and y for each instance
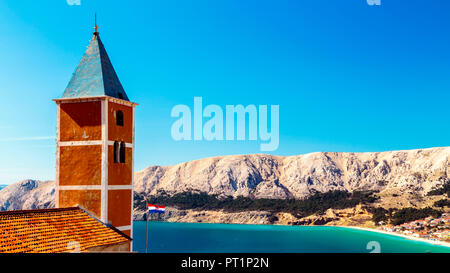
(347, 76)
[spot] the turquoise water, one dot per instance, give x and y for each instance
(167, 237)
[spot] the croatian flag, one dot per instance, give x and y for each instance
(156, 209)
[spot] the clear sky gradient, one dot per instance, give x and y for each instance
(348, 77)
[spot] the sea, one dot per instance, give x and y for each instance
(166, 237)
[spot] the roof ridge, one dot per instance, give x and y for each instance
(12, 212)
(103, 223)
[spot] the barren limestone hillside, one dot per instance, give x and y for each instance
(265, 176)
(28, 194)
(402, 178)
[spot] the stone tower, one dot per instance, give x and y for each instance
(95, 141)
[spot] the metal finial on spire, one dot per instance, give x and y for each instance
(95, 27)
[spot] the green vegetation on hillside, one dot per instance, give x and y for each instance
(444, 189)
(411, 214)
(404, 215)
(442, 203)
(379, 214)
(316, 203)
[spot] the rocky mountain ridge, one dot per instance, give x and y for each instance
(267, 176)
(406, 175)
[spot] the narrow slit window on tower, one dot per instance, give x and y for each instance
(122, 152)
(116, 152)
(119, 118)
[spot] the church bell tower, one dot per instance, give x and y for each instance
(95, 141)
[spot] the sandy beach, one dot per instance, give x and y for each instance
(402, 235)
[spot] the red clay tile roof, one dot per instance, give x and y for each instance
(54, 230)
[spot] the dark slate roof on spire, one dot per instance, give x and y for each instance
(95, 75)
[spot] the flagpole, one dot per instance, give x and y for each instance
(146, 233)
(151, 209)
(146, 225)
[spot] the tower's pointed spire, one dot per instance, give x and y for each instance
(95, 76)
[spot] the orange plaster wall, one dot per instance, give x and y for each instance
(121, 247)
(119, 173)
(88, 199)
(120, 133)
(127, 232)
(80, 165)
(119, 207)
(80, 121)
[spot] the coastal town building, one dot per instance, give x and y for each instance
(428, 228)
(94, 168)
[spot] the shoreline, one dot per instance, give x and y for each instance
(441, 243)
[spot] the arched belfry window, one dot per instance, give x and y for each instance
(119, 118)
(116, 152)
(122, 152)
(119, 152)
